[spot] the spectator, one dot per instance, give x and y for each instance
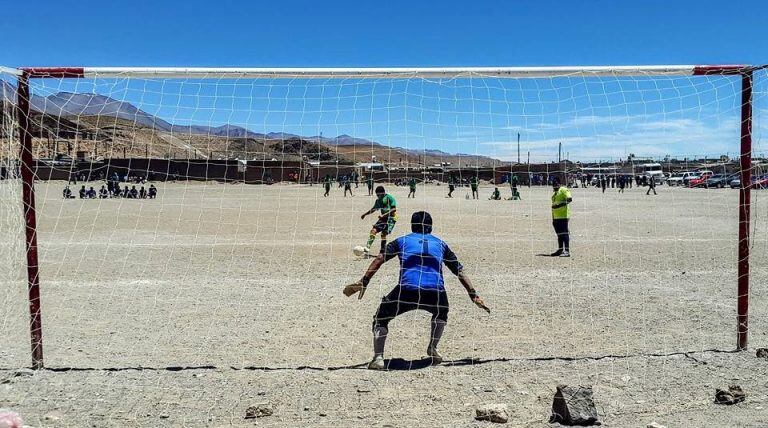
(496, 195)
(67, 193)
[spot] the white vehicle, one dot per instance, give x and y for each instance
(680, 178)
(652, 171)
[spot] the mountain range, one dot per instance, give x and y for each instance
(75, 105)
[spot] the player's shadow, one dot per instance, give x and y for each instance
(400, 364)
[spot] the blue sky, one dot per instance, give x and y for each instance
(594, 118)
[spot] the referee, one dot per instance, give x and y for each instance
(561, 212)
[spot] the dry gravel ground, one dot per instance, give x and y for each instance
(188, 309)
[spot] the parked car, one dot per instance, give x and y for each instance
(695, 176)
(759, 182)
(678, 178)
(719, 180)
(699, 180)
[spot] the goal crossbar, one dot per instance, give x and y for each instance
(390, 72)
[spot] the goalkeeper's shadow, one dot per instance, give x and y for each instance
(400, 364)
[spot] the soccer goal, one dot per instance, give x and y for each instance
(207, 216)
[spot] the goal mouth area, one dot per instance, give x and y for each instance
(393, 72)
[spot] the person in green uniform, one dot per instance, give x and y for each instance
(513, 181)
(412, 188)
(369, 183)
(347, 187)
(327, 184)
(515, 195)
(386, 222)
(473, 186)
(496, 195)
(451, 186)
(561, 212)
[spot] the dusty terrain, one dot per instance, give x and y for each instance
(188, 309)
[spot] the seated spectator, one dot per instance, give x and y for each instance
(103, 193)
(152, 191)
(82, 192)
(142, 193)
(496, 195)
(134, 194)
(91, 193)
(67, 193)
(125, 193)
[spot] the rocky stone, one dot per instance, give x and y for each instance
(762, 353)
(734, 394)
(655, 425)
(259, 411)
(573, 405)
(23, 372)
(496, 413)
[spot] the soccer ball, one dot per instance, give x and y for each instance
(359, 251)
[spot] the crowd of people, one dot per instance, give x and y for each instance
(113, 190)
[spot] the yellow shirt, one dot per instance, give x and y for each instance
(559, 197)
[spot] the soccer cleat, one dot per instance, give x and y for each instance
(557, 253)
(565, 253)
(434, 355)
(377, 363)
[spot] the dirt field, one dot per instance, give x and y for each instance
(188, 309)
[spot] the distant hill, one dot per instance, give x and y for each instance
(106, 117)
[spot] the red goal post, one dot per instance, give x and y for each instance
(27, 162)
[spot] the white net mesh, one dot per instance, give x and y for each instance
(15, 351)
(240, 259)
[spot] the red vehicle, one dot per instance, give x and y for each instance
(760, 182)
(699, 180)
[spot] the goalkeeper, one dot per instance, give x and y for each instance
(420, 285)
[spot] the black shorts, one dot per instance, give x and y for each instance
(401, 300)
(385, 225)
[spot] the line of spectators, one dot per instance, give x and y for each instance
(112, 190)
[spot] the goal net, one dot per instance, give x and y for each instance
(240, 258)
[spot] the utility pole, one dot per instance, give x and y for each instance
(518, 147)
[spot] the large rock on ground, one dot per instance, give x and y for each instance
(734, 394)
(492, 412)
(573, 405)
(259, 411)
(762, 353)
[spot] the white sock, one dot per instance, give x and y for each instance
(437, 332)
(379, 339)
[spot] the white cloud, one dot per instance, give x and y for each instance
(658, 138)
